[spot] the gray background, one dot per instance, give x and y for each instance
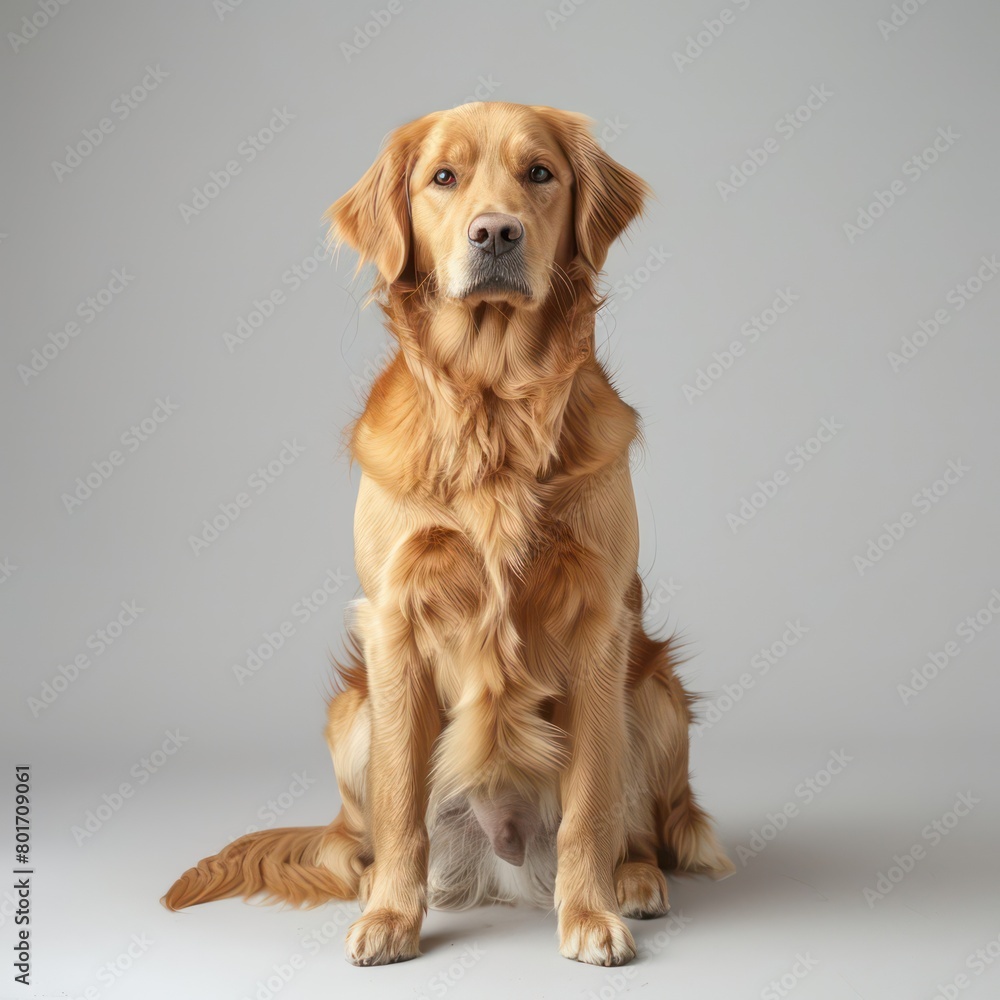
(301, 376)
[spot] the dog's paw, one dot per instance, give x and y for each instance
(595, 937)
(641, 890)
(383, 936)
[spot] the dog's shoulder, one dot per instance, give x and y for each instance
(384, 437)
(599, 426)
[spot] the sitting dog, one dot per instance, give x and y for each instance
(506, 728)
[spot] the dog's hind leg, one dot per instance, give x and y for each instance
(685, 840)
(348, 735)
(666, 827)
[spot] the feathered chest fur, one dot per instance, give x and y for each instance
(494, 417)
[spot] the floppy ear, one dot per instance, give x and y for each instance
(607, 196)
(373, 218)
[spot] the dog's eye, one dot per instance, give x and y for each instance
(539, 174)
(444, 178)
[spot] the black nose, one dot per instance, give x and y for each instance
(495, 233)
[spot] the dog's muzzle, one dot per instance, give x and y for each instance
(496, 256)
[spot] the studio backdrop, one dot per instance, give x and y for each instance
(806, 320)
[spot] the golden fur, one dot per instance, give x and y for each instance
(507, 728)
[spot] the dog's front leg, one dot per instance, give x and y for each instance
(404, 726)
(591, 839)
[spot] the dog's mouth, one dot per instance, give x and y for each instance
(489, 277)
(503, 289)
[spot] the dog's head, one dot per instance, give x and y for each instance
(488, 202)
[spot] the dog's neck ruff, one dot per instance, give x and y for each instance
(491, 392)
(491, 382)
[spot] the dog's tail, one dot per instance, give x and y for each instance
(303, 866)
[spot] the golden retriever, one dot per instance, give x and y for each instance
(506, 729)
